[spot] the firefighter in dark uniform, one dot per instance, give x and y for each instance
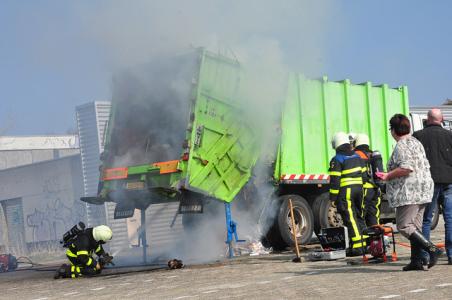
(80, 253)
(347, 174)
(372, 193)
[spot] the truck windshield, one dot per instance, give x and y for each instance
(151, 107)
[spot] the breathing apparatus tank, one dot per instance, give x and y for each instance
(376, 164)
(72, 234)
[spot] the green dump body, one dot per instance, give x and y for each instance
(316, 109)
(213, 151)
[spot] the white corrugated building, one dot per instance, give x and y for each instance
(446, 108)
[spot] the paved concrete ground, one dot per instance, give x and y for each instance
(266, 277)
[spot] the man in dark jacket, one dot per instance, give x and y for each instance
(80, 253)
(437, 143)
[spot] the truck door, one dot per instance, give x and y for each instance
(223, 146)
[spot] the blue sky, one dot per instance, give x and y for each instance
(55, 55)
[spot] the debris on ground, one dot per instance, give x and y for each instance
(8, 263)
(254, 248)
(175, 264)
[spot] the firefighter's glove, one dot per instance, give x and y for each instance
(106, 259)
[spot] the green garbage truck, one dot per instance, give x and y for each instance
(178, 132)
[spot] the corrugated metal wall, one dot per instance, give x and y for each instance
(160, 235)
(90, 149)
(92, 120)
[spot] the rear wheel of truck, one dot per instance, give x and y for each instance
(324, 213)
(304, 220)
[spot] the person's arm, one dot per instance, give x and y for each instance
(335, 178)
(405, 162)
(396, 173)
(99, 250)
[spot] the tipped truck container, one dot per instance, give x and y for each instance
(176, 133)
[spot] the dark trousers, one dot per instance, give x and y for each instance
(77, 270)
(350, 206)
(444, 191)
(372, 202)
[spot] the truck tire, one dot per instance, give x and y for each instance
(325, 215)
(273, 238)
(304, 220)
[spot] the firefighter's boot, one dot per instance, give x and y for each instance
(416, 261)
(351, 252)
(64, 271)
(428, 246)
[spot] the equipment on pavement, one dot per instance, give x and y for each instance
(8, 263)
(175, 264)
(334, 242)
(379, 244)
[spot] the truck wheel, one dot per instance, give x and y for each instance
(273, 238)
(304, 220)
(435, 218)
(325, 215)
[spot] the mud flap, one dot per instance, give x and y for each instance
(191, 206)
(124, 209)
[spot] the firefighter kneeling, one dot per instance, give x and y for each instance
(81, 245)
(347, 174)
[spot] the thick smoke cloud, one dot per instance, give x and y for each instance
(132, 33)
(268, 38)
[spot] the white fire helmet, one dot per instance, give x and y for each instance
(352, 138)
(102, 233)
(339, 138)
(362, 139)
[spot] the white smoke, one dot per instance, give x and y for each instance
(268, 38)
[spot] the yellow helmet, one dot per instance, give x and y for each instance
(102, 233)
(339, 138)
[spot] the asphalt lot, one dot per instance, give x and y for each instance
(272, 276)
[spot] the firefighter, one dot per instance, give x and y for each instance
(346, 190)
(80, 253)
(372, 193)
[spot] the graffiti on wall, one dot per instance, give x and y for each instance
(51, 223)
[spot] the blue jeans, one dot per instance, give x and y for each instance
(445, 191)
